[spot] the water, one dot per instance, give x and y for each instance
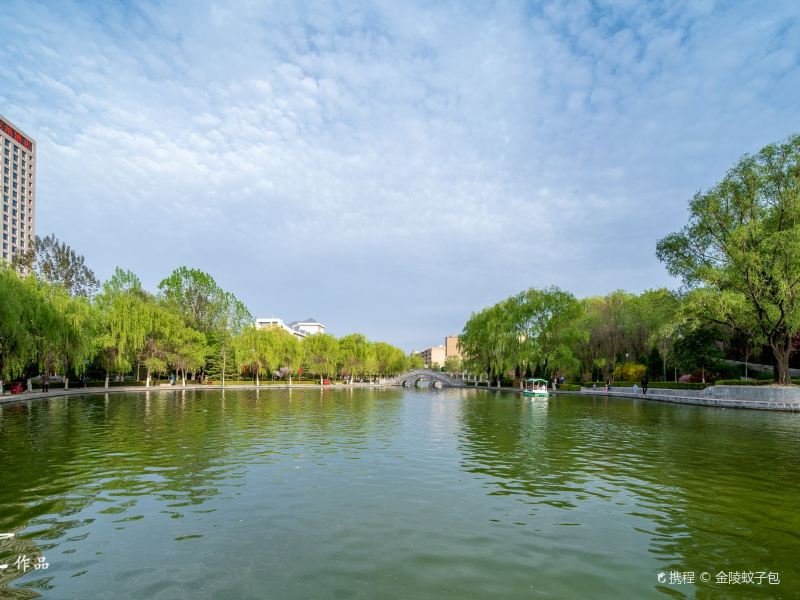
(394, 494)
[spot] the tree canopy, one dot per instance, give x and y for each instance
(739, 254)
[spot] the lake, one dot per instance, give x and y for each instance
(395, 493)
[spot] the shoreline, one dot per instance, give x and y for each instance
(655, 395)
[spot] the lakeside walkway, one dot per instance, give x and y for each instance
(768, 397)
(781, 398)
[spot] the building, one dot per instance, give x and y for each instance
(309, 326)
(299, 329)
(18, 153)
(433, 356)
(451, 346)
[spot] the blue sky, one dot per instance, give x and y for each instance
(390, 167)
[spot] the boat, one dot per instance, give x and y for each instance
(535, 388)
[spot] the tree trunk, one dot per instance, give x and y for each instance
(258, 382)
(147, 384)
(320, 379)
(665, 368)
(183, 377)
(223, 370)
(290, 379)
(66, 382)
(782, 349)
(106, 383)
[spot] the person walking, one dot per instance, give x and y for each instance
(45, 382)
(645, 381)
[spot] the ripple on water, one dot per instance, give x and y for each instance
(394, 493)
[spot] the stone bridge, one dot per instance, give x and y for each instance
(411, 378)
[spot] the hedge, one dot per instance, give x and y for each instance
(743, 382)
(663, 385)
(569, 387)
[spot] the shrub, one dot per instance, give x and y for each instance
(743, 382)
(630, 372)
(677, 385)
(569, 387)
(664, 385)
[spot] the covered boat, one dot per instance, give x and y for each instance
(535, 388)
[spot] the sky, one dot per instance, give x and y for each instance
(390, 167)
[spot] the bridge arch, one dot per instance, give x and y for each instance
(411, 379)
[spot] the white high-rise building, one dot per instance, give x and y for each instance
(18, 155)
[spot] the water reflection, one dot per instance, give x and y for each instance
(387, 493)
(698, 489)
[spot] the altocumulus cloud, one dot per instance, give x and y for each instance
(390, 167)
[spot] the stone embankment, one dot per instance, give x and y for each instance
(767, 397)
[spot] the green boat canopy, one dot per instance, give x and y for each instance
(535, 380)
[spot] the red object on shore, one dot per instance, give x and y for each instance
(326, 382)
(16, 387)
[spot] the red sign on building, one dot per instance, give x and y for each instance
(15, 135)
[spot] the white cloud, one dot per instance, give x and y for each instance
(392, 165)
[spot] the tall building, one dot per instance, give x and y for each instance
(433, 356)
(18, 152)
(451, 346)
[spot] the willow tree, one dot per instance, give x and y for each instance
(353, 355)
(252, 350)
(19, 308)
(187, 350)
(70, 340)
(321, 353)
(740, 250)
(287, 350)
(414, 361)
(389, 359)
(123, 316)
(534, 331)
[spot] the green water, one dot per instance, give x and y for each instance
(394, 494)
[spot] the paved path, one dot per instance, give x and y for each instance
(7, 398)
(691, 397)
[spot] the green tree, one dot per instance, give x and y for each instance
(209, 309)
(255, 350)
(740, 250)
(20, 318)
(321, 353)
(123, 321)
(353, 355)
(452, 364)
(698, 346)
(187, 350)
(70, 339)
(289, 352)
(414, 361)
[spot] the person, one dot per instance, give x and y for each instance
(645, 382)
(635, 388)
(608, 385)
(594, 385)
(45, 382)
